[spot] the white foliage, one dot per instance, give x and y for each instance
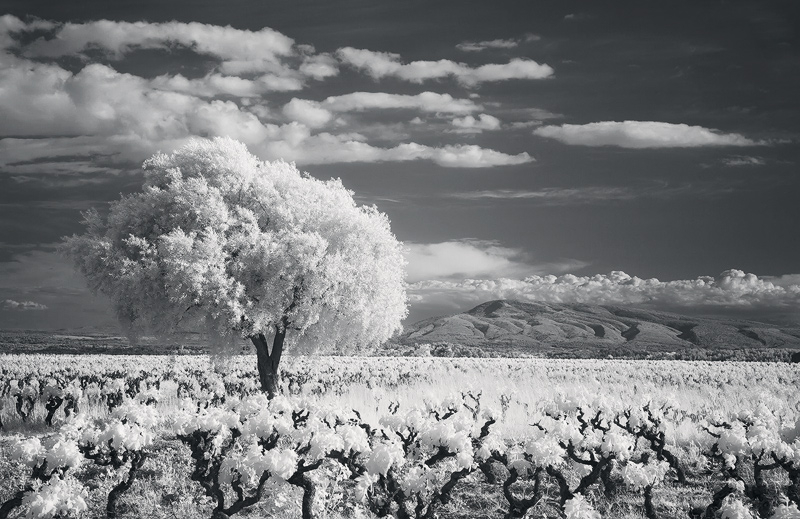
(642, 475)
(733, 441)
(63, 453)
(219, 239)
(418, 480)
(125, 436)
(617, 444)
(27, 451)
(56, 498)
(545, 451)
(363, 483)
(384, 456)
(786, 512)
(354, 438)
(579, 508)
(734, 509)
(323, 442)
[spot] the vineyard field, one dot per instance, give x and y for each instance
(192, 436)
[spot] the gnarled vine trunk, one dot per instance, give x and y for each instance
(269, 360)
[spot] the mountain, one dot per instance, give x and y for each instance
(552, 329)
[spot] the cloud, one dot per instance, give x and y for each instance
(477, 46)
(642, 134)
(472, 258)
(11, 25)
(469, 124)
(471, 156)
(320, 66)
(273, 58)
(326, 148)
(743, 161)
(292, 142)
(787, 280)
(533, 117)
(123, 117)
(40, 99)
(386, 64)
(573, 17)
(307, 112)
(234, 47)
(214, 85)
(554, 195)
(10, 304)
(96, 119)
(467, 258)
(732, 289)
(316, 114)
(43, 277)
(601, 194)
(425, 101)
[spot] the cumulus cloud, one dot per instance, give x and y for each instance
(101, 115)
(642, 134)
(116, 39)
(472, 258)
(470, 124)
(320, 66)
(11, 25)
(316, 114)
(477, 46)
(292, 142)
(214, 85)
(425, 101)
(743, 161)
(387, 64)
(326, 148)
(47, 100)
(471, 156)
(272, 60)
(307, 112)
(787, 280)
(466, 258)
(10, 304)
(510, 43)
(520, 119)
(731, 289)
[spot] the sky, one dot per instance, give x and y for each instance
(610, 152)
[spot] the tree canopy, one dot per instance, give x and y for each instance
(219, 239)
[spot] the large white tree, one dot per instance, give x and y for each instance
(243, 248)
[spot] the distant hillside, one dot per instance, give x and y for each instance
(92, 342)
(581, 330)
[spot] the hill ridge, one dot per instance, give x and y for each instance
(540, 326)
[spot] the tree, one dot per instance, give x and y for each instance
(243, 248)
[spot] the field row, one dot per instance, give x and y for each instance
(391, 438)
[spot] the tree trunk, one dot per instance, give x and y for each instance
(52, 405)
(137, 460)
(649, 509)
(12, 503)
(268, 361)
(793, 488)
